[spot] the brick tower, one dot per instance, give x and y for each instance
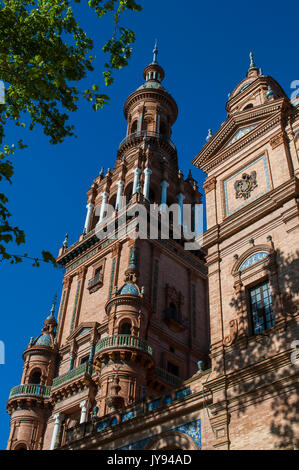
(126, 328)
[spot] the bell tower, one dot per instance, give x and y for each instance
(126, 329)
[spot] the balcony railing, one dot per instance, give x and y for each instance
(97, 280)
(72, 374)
(140, 408)
(167, 377)
(120, 341)
(156, 135)
(31, 390)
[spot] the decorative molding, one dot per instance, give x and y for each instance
(229, 340)
(209, 184)
(278, 139)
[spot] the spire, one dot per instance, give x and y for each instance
(252, 64)
(253, 70)
(53, 306)
(155, 52)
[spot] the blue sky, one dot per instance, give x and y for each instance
(204, 49)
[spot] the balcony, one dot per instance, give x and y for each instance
(95, 283)
(167, 377)
(138, 136)
(31, 390)
(123, 341)
(72, 375)
(98, 426)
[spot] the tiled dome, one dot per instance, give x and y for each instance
(152, 84)
(129, 289)
(44, 340)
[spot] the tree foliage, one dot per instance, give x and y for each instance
(44, 56)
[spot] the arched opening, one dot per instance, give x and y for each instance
(152, 196)
(128, 192)
(134, 127)
(35, 377)
(21, 447)
(146, 124)
(250, 105)
(112, 201)
(125, 328)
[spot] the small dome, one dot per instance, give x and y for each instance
(129, 289)
(152, 84)
(44, 340)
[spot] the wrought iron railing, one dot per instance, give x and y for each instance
(85, 368)
(31, 390)
(156, 135)
(126, 341)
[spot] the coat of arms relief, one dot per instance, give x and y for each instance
(245, 185)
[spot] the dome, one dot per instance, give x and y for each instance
(152, 84)
(129, 289)
(44, 340)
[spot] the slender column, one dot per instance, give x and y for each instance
(58, 420)
(136, 172)
(71, 364)
(180, 198)
(164, 185)
(89, 208)
(91, 352)
(147, 175)
(84, 409)
(103, 205)
(120, 185)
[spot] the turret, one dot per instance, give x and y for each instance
(29, 403)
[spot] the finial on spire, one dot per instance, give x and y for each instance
(155, 52)
(252, 64)
(53, 305)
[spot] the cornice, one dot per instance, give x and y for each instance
(210, 156)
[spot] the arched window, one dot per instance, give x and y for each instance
(134, 127)
(35, 377)
(125, 328)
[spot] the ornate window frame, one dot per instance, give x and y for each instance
(245, 279)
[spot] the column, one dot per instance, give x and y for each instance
(58, 420)
(89, 208)
(91, 352)
(180, 198)
(147, 174)
(103, 205)
(136, 172)
(120, 185)
(164, 186)
(84, 409)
